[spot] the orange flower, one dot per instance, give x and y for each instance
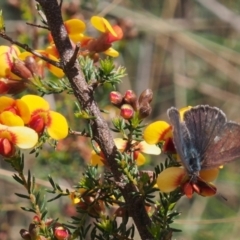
(173, 177)
(41, 117)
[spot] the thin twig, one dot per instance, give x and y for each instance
(38, 26)
(28, 49)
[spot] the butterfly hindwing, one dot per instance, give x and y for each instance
(224, 148)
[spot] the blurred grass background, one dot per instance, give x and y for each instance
(188, 53)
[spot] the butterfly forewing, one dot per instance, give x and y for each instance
(204, 123)
(181, 136)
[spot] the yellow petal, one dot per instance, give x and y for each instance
(57, 128)
(183, 110)
(140, 159)
(24, 137)
(157, 132)
(75, 26)
(209, 175)
(55, 70)
(96, 159)
(5, 102)
(112, 52)
(102, 25)
(170, 178)
(35, 102)
(10, 119)
(77, 38)
(149, 148)
(23, 110)
(120, 143)
(7, 56)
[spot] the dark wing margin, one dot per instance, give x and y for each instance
(204, 124)
(180, 135)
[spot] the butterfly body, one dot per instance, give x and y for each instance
(204, 139)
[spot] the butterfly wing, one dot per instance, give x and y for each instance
(181, 136)
(215, 139)
(225, 147)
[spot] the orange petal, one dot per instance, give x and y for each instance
(140, 159)
(206, 189)
(170, 178)
(209, 175)
(157, 132)
(57, 127)
(96, 159)
(118, 32)
(149, 148)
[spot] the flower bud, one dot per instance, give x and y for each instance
(20, 69)
(25, 234)
(31, 64)
(61, 233)
(116, 98)
(126, 111)
(146, 96)
(120, 212)
(7, 149)
(8, 86)
(144, 110)
(130, 97)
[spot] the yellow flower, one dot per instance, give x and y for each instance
(22, 137)
(7, 56)
(13, 112)
(171, 178)
(41, 117)
(136, 147)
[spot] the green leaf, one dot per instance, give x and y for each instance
(22, 195)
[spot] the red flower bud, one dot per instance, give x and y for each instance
(7, 149)
(130, 96)
(126, 111)
(116, 98)
(36, 219)
(61, 233)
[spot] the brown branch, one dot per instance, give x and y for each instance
(102, 134)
